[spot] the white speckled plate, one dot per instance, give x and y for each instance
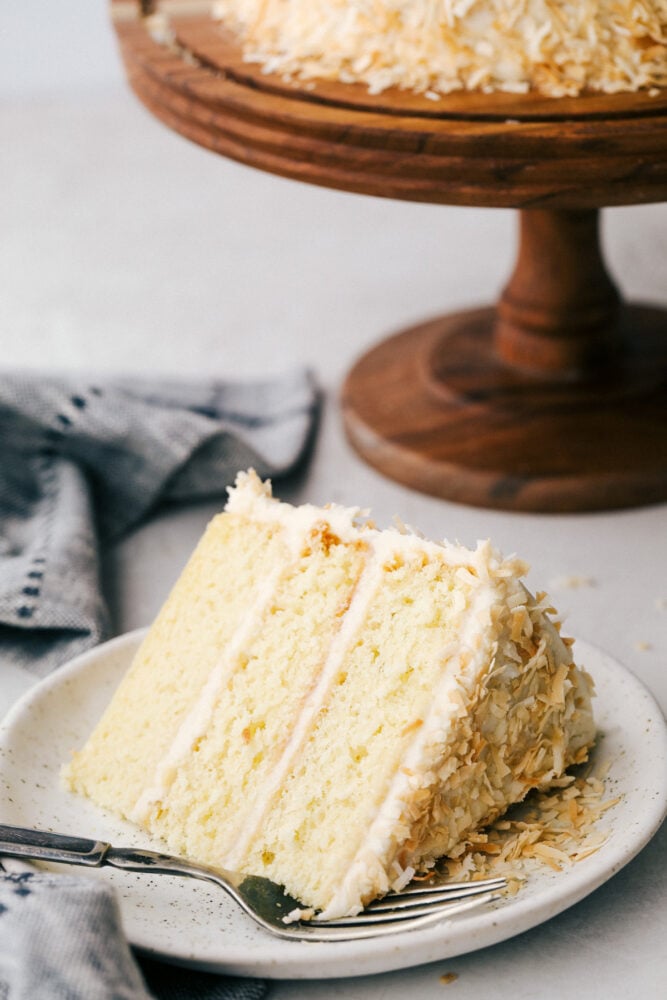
(187, 922)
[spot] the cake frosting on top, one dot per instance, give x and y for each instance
(556, 47)
(334, 706)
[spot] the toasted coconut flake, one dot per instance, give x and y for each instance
(557, 47)
(555, 829)
(572, 581)
(448, 977)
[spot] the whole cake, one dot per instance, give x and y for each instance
(556, 47)
(334, 706)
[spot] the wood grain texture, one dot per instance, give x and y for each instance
(434, 408)
(559, 313)
(488, 150)
(556, 399)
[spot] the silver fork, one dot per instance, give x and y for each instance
(417, 906)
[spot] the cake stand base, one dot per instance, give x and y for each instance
(435, 408)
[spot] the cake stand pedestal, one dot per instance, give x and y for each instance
(554, 399)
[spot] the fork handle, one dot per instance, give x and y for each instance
(41, 845)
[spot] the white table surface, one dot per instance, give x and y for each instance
(124, 249)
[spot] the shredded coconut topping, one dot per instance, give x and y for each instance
(556, 47)
(557, 828)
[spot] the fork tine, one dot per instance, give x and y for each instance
(420, 888)
(425, 901)
(341, 930)
(411, 908)
(390, 917)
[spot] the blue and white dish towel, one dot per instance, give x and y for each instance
(85, 461)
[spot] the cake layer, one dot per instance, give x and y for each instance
(557, 47)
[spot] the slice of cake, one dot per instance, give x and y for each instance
(335, 706)
(557, 47)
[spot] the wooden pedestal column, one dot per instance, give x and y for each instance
(558, 316)
(555, 400)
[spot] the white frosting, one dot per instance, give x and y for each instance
(252, 498)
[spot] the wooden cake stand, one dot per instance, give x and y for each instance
(555, 399)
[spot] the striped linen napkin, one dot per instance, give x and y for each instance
(83, 462)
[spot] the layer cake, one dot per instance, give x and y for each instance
(334, 706)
